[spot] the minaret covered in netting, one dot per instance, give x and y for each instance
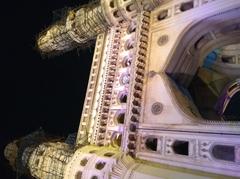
(36, 156)
(83, 24)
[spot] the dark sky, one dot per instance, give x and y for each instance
(37, 92)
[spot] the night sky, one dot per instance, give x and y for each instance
(37, 92)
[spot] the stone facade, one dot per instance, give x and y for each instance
(139, 119)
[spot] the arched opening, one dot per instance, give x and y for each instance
(215, 87)
(181, 147)
(120, 118)
(84, 162)
(131, 7)
(232, 111)
(204, 67)
(94, 177)
(132, 28)
(224, 152)
(151, 144)
(116, 140)
(127, 61)
(100, 165)
(116, 14)
(109, 154)
(123, 98)
(129, 44)
(112, 4)
(162, 15)
(186, 6)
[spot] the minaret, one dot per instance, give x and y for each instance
(138, 119)
(34, 156)
(84, 24)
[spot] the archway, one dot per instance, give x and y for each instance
(186, 64)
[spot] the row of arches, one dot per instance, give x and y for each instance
(181, 147)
